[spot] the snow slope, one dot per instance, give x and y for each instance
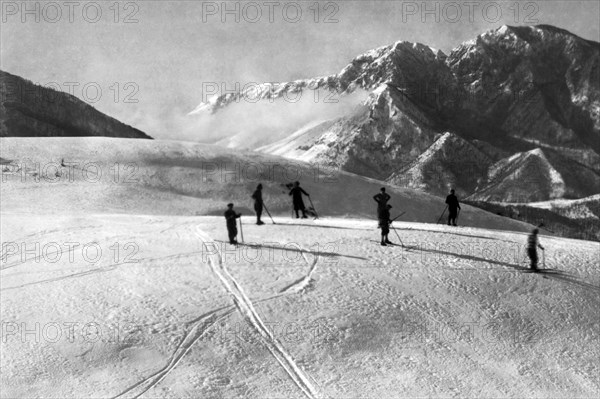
(120, 290)
(316, 310)
(167, 177)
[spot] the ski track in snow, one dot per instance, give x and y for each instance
(246, 308)
(184, 346)
(303, 282)
(194, 334)
(101, 269)
(244, 304)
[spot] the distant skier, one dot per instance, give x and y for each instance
(453, 207)
(384, 224)
(382, 199)
(230, 217)
(296, 193)
(258, 204)
(532, 245)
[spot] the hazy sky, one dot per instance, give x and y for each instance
(162, 53)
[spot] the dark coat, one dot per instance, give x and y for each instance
(258, 201)
(296, 194)
(230, 217)
(452, 202)
(382, 200)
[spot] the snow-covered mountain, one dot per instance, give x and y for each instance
(30, 110)
(509, 91)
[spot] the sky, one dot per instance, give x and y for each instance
(149, 63)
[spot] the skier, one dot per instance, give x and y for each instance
(230, 217)
(296, 193)
(532, 244)
(382, 199)
(258, 204)
(453, 207)
(384, 224)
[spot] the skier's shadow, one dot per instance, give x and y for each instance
(554, 274)
(295, 249)
(320, 226)
(454, 234)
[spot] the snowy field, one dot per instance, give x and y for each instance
(111, 288)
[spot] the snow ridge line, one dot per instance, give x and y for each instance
(247, 309)
(304, 281)
(182, 349)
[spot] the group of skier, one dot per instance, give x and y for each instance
(297, 202)
(383, 212)
(383, 215)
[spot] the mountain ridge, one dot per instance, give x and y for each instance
(509, 90)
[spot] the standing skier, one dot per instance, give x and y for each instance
(453, 207)
(296, 193)
(384, 224)
(230, 217)
(382, 199)
(532, 245)
(258, 203)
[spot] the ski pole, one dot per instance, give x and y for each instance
(544, 258)
(398, 216)
(241, 230)
(313, 207)
(442, 215)
(398, 235)
(269, 213)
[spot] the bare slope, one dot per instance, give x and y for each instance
(30, 110)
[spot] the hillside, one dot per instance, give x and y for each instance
(568, 218)
(179, 178)
(30, 110)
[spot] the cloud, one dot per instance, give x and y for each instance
(249, 125)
